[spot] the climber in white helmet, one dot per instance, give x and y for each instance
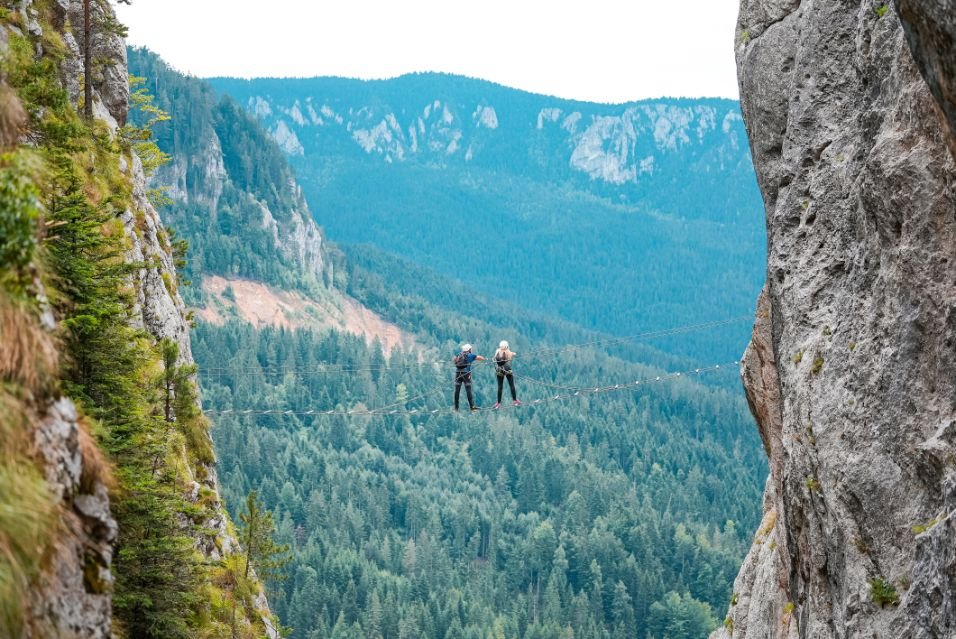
(463, 361)
(503, 371)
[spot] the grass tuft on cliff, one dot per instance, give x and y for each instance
(27, 516)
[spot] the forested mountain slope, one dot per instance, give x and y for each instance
(255, 252)
(621, 218)
(630, 150)
(632, 486)
(234, 194)
(621, 515)
(111, 521)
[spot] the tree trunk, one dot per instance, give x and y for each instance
(249, 550)
(169, 397)
(87, 62)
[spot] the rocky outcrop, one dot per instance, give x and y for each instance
(477, 124)
(161, 311)
(297, 240)
(850, 370)
(110, 80)
(73, 598)
(72, 595)
(219, 200)
(208, 163)
(301, 242)
(766, 568)
(159, 308)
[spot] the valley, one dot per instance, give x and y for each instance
(595, 516)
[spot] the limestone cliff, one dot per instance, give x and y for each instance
(233, 196)
(72, 595)
(850, 369)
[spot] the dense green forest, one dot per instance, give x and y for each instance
(655, 491)
(620, 515)
(443, 309)
(553, 249)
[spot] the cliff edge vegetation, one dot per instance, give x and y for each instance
(111, 523)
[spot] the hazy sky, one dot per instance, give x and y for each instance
(600, 50)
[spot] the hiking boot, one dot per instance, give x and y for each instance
(497, 406)
(517, 403)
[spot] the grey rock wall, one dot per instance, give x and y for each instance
(110, 77)
(850, 371)
(73, 598)
(297, 240)
(159, 309)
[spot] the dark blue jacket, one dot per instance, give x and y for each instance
(471, 357)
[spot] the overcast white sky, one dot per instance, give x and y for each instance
(599, 50)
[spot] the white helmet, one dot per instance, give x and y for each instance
(466, 347)
(503, 345)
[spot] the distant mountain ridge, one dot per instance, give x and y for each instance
(446, 120)
(620, 218)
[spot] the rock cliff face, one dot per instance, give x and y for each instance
(295, 237)
(230, 188)
(850, 369)
(930, 27)
(614, 145)
(452, 123)
(72, 598)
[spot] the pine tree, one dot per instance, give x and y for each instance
(597, 592)
(555, 595)
(622, 613)
(553, 608)
(373, 618)
(92, 272)
(261, 551)
(180, 405)
(139, 136)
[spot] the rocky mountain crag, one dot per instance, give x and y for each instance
(72, 599)
(849, 109)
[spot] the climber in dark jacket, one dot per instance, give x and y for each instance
(463, 362)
